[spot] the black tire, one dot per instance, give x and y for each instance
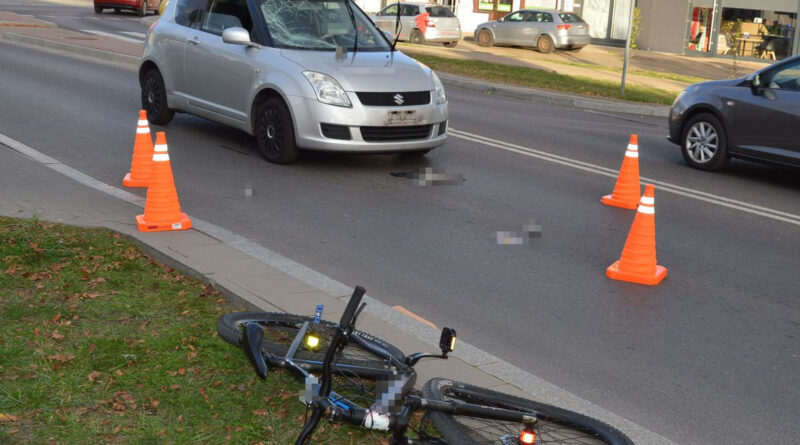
(554, 425)
(703, 143)
(154, 99)
(450, 44)
(141, 12)
(98, 10)
(576, 49)
(280, 330)
(485, 38)
(116, 10)
(545, 44)
(274, 132)
(417, 37)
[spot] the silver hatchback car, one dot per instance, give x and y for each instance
(546, 30)
(420, 23)
(297, 74)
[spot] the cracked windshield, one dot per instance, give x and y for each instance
(321, 25)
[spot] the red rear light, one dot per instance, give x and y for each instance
(527, 437)
(564, 27)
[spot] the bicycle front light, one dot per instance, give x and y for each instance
(312, 341)
(447, 342)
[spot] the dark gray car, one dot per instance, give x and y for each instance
(755, 117)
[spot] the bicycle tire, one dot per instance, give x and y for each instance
(351, 360)
(554, 425)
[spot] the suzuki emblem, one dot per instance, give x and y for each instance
(398, 99)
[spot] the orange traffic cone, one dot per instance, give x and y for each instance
(161, 209)
(627, 189)
(638, 261)
(142, 155)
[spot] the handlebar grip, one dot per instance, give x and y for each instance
(352, 305)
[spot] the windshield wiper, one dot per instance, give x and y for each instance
(396, 28)
(353, 20)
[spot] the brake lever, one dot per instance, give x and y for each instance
(252, 338)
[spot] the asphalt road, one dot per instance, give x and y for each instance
(709, 356)
(82, 18)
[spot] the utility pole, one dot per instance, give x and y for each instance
(627, 49)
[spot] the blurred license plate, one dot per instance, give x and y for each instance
(401, 117)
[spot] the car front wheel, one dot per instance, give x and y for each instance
(275, 132)
(417, 38)
(154, 99)
(703, 142)
(98, 10)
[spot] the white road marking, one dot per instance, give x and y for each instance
(766, 212)
(140, 35)
(108, 34)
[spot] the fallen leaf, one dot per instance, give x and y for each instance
(61, 357)
(55, 318)
(92, 348)
(55, 335)
(8, 417)
(155, 403)
(93, 375)
(261, 412)
(35, 247)
(118, 372)
(36, 332)
(101, 280)
(185, 313)
(180, 418)
(182, 371)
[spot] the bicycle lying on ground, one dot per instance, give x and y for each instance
(460, 413)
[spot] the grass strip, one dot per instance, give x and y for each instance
(99, 343)
(529, 77)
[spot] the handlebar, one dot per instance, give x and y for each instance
(346, 323)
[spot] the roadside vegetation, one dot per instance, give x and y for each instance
(99, 343)
(527, 77)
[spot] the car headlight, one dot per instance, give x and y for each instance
(438, 90)
(328, 89)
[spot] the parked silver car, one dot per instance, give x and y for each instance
(420, 23)
(545, 30)
(311, 74)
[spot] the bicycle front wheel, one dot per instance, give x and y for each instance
(281, 329)
(554, 425)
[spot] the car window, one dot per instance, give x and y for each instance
(515, 17)
(409, 10)
(786, 78)
(570, 18)
(390, 10)
(544, 17)
(529, 17)
(190, 12)
(225, 14)
(439, 11)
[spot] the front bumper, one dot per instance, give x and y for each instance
(309, 114)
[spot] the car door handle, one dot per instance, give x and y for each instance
(194, 41)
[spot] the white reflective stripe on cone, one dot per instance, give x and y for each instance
(160, 148)
(141, 130)
(647, 209)
(142, 122)
(161, 157)
(647, 200)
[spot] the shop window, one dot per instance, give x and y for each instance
(756, 33)
(499, 7)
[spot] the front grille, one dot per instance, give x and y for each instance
(442, 128)
(333, 131)
(392, 134)
(408, 98)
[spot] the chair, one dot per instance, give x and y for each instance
(696, 40)
(766, 49)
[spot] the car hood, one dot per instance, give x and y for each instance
(366, 71)
(718, 83)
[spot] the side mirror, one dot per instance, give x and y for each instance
(238, 36)
(755, 83)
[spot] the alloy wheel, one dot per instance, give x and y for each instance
(701, 142)
(270, 132)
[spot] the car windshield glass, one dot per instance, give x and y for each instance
(439, 11)
(320, 25)
(570, 18)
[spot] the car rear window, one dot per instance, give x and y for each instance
(439, 11)
(570, 18)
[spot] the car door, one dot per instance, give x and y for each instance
(408, 16)
(767, 118)
(385, 20)
(530, 28)
(505, 31)
(219, 75)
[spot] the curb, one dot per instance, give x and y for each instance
(553, 97)
(75, 49)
